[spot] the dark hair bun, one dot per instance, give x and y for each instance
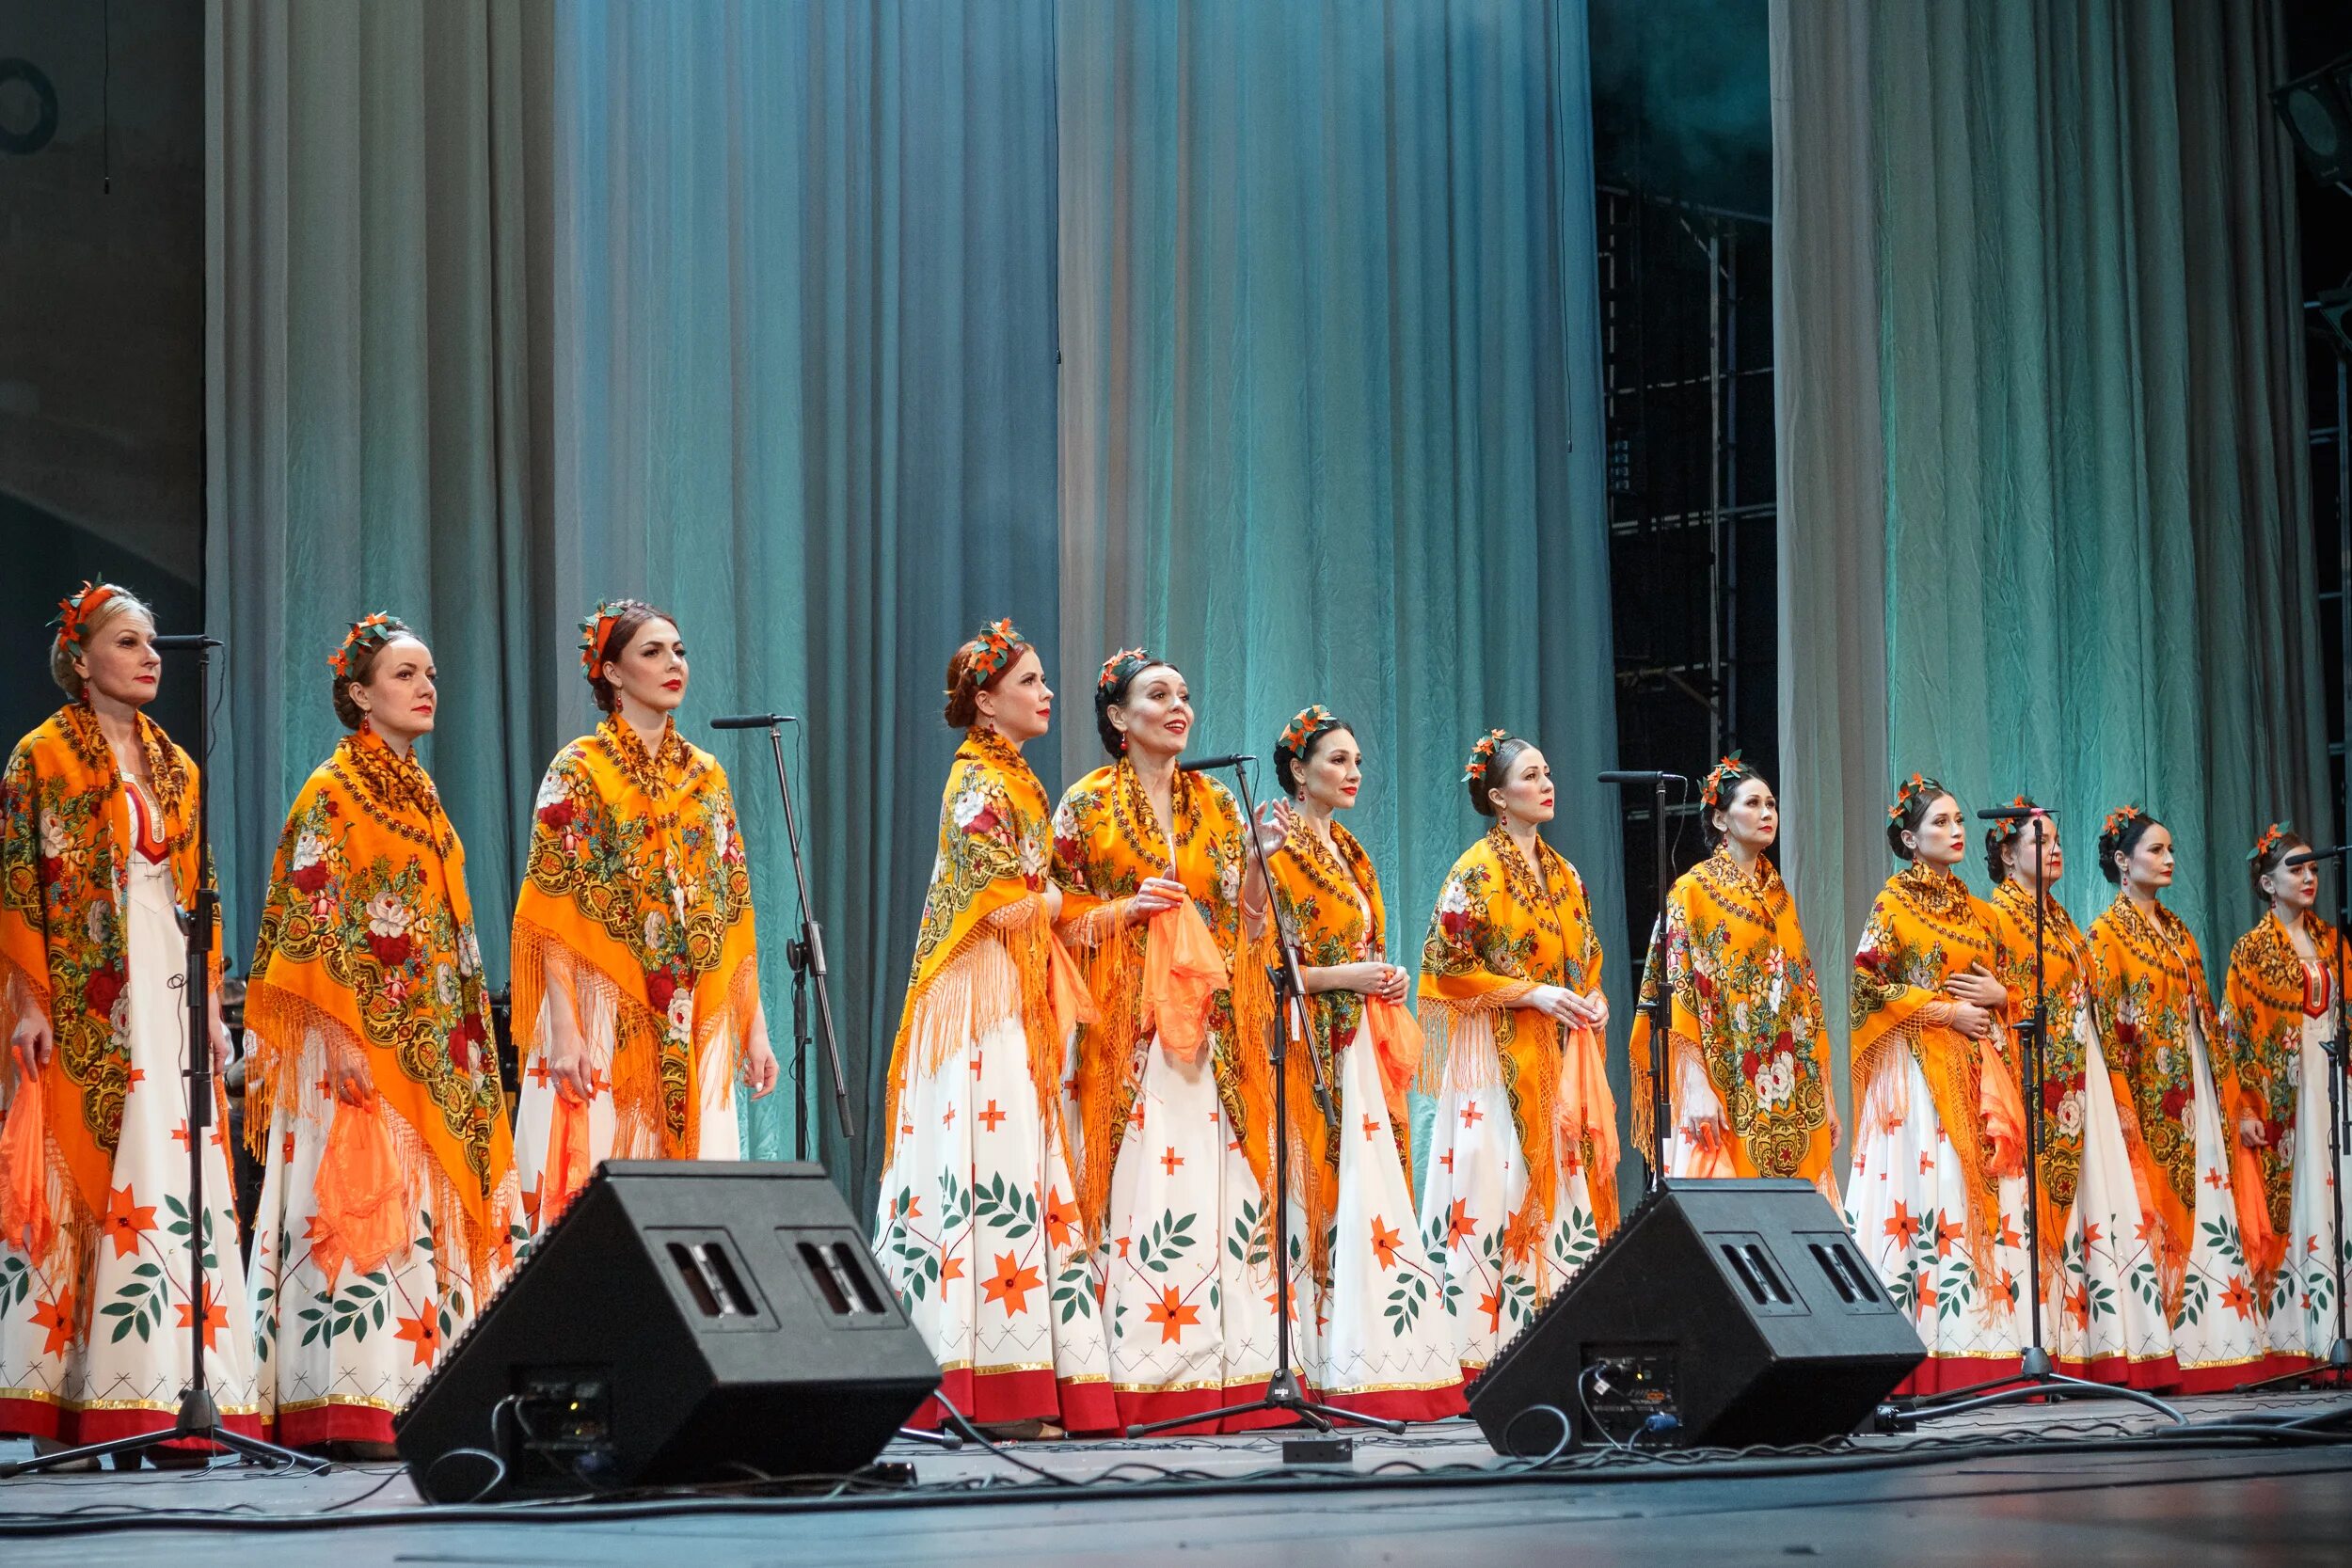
(1911, 808)
(1506, 752)
(2120, 836)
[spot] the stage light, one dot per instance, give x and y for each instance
(2316, 110)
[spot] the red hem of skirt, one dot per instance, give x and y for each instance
(2223, 1379)
(1403, 1405)
(22, 1417)
(1037, 1395)
(1943, 1374)
(1146, 1406)
(332, 1423)
(2121, 1372)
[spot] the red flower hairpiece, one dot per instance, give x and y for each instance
(1483, 754)
(1310, 721)
(594, 632)
(2274, 835)
(998, 643)
(1711, 787)
(74, 611)
(1124, 662)
(2001, 833)
(1912, 789)
(2119, 818)
(368, 631)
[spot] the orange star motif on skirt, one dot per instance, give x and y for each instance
(1010, 1284)
(1901, 1226)
(951, 1267)
(2237, 1298)
(126, 1220)
(55, 1318)
(1383, 1243)
(1061, 1219)
(1173, 1315)
(1459, 1227)
(424, 1332)
(1491, 1304)
(216, 1317)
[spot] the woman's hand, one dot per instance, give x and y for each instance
(1975, 986)
(348, 1073)
(1595, 1009)
(1157, 893)
(33, 1042)
(2250, 1134)
(1385, 981)
(1972, 1020)
(224, 1051)
(1706, 1133)
(568, 1066)
(759, 1062)
(1275, 824)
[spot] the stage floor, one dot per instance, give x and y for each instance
(2077, 1485)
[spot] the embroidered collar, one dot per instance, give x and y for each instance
(656, 772)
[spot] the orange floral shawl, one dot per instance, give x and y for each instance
(2148, 993)
(1925, 926)
(2259, 1075)
(368, 938)
(65, 832)
(1746, 1001)
(995, 850)
(636, 892)
(1107, 841)
(1500, 931)
(1333, 898)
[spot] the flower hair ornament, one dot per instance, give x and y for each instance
(1119, 666)
(369, 631)
(594, 632)
(1301, 731)
(1916, 788)
(2120, 818)
(2001, 833)
(998, 644)
(74, 611)
(1711, 787)
(1482, 756)
(2274, 835)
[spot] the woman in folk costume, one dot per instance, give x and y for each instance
(979, 1227)
(1936, 1196)
(636, 971)
(1174, 1101)
(1750, 1074)
(2103, 1311)
(1522, 1182)
(373, 1098)
(2282, 1015)
(98, 863)
(2159, 1031)
(1382, 1338)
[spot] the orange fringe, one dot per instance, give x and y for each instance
(1107, 1068)
(633, 1060)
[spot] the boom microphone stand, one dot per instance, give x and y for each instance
(199, 1412)
(1662, 1005)
(2339, 1354)
(2037, 1377)
(1282, 1390)
(805, 953)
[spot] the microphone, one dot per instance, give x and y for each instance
(2305, 857)
(1641, 776)
(1223, 759)
(181, 641)
(753, 721)
(2012, 814)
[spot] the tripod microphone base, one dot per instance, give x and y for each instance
(2027, 1386)
(2331, 1371)
(199, 1417)
(1283, 1392)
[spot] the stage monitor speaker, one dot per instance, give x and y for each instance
(1722, 1313)
(683, 1321)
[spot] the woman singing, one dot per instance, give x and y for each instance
(1521, 1184)
(636, 973)
(979, 1227)
(373, 1096)
(1174, 1110)
(1382, 1338)
(1936, 1196)
(1751, 1071)
(98, 867)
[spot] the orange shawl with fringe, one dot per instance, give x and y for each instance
(367, 937)
(65, 838)
(1746, 1000)
(1499, 932)
(1925, 926)
(1107, 841)
(636, 894)
(2259, 1074)
(2148, 993)
(1332, 896)
(995, 849)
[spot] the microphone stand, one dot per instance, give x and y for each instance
(805, 953)
(2339, 1354)
(2037, 1377)
(1661, 1004)
(199, 1412)
(1282, 1390)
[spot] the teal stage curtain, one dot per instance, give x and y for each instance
(2042, 444)
(1264, 335)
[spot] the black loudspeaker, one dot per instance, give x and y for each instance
(683, 1321)
(1722, 1313)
